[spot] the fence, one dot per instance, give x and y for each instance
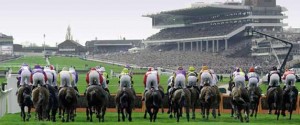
(3, 101)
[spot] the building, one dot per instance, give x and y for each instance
(108, 46)
(214, 27)
(70, 47)
(6, 44)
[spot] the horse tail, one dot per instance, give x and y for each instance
(123, 100)
(68, 95)
(155, 99)
(41, 98)
(182, 98)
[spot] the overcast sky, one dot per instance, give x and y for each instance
(28, 20)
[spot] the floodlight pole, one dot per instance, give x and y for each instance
(281, 69)
(44, 45)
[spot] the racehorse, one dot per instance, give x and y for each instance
(230, 87)
(40, 101)
(53, 103)
(181, 98)
(24, 99)
(68, 100)
(97, 98)
(255, 95)
(289, 100)
(274, 98)
(125, 102)
(161, 90)
(241, 101)
(153, 100)
(194, 98)
(208, 100)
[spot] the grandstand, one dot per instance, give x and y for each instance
(214, 27)
(6, 44)
(214, 35)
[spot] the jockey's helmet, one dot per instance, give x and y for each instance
(191, 68)
(51, 67)
(37, 66)
(251, 69)
(150, 68)
(102, 69)
(274, 68)
(127, 66)
(204, 67)
(180, 68)
(125, 70)
(24, 64)
(65, 69)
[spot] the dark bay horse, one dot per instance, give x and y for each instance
(208, 100)
(181, 99)
(153, 101)
(125, 103)
(68, 100)
(53, 103)
(40, 101)
(255, 95)
(274, 99)
(97, 99)
(241, 101)
(24, 99)
(290, 98)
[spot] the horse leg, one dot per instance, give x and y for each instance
(247, 111)
(145, 115)
(23, 112)
(178, 113)
(207, 110)
(214, 112)
(291, 109)
(129, 111)
(103, 113)
(87, 114)
(270, 107)
(155, 111)
(162, 108)
(187, 110)
(123, 116)
(118, 113)
(240, 115)
(91, 114)
(68, 114)
(59, 112)
(63, 114)
(150, 113)
(193, 110)
(202, 110)
(28, 114)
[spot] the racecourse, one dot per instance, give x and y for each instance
(163, 119)
(111, 118)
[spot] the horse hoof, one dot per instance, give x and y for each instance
(170, 116)
(219, 114)
(251, 115)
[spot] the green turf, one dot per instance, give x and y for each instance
(111, 119)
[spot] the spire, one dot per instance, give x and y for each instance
(68, 35)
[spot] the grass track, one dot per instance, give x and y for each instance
(111, 119)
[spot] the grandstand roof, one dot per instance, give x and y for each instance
(203, 10)
(4, 36)
(114, 42)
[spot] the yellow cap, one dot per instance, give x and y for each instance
(125, 70)
(191, 68)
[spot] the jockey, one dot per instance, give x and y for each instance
(50, 75)
(253, 78)
(192, 78)
(274, 78)
(239, 78)
(104, 75)
(93, 77)
(74, 78)
(24, 75)
(64, 78)
(179, 80)
(214, 78)
(125, 79)
(205, 77)
(151, 79)
(38, 76)
(170, 83)
(52, 69)
(289, 78)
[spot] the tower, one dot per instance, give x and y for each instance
(69, 35)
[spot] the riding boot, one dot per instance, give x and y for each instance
(106, 89)
(56, 88)
(143, 96)
(268, 88)
(33, 87)
(169, 87)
